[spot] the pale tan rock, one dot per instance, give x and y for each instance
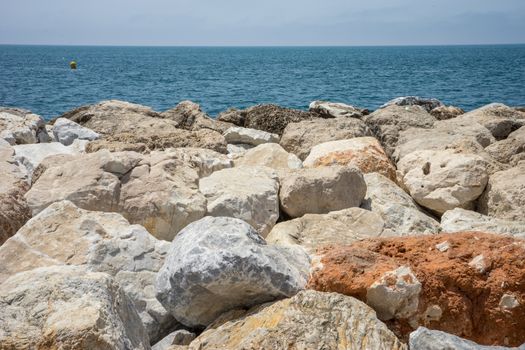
(300, 137)
(321, 190)
(309, 320)
(337, 109)
(249, 136)
(188, 115)
(511, 150)
(19, 126)
(66, 307)
(366, 153)
(446, 112)
(458, 220)
(443, 180)
(270, 155)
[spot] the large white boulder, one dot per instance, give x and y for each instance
(249, 136)
(19, 126)
(247, 193)
(460, 220)
(218, 263)
(271, 155)
(337, 109)
(66, 131)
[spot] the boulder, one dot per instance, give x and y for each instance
(272, 118)
(237, 150)
(446, 112)
(19, 126)
(313, 231)
(504, 197)
(400, 214)
(66, 131)
(458, 220)
(511, 150)
(104, 242)
(386, 123)
(426, 339)
(443, 180)
(427, 103)
(247, 193)
(178, 337)
(365, 153)
(249, 136)
(14, 211)
(300, 137)
(321, 190)
(217, 264)
(501, 120)
(66, 307)
(188, 115)
(337, 110)
(233, 116)
(461, 283)
(309, 320)
(31, 155)
(270, 155)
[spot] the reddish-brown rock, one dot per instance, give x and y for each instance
(472, 286)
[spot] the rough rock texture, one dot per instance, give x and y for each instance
(270, 155)
(465, 278)
(504, 196)
(218, 264)
(511, 150)
(427, 103)
(501, 120)
(321, 190)
(247, 193)
(313, 231)
(31, 155)
(400, 214)
(19, 126)
(337, 110)
(272, 118)
(178, 337)
(466, 220)
(443, 180)
(365, 153)
(65, 307)
(233, 116)
(300, 137)
(188, 115)
(248, 136)
(386, 123)
(14, 211)
(309, 320)
(66, 131)
(446, 112)
(103, 242)
(426, 339)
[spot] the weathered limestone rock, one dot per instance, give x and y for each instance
(66, 131)
(504, 196)
(14, 211)
(299, 138)
(19, 126)
(249, 136)
(178, 337)
(427, 103)
(105, 242)
(365, 153)
(247, 193)
(233, 116)
(270, 155)
(218, 264)
(66, 307)
(337, 110)
(501, 120)
(458, 220)
(386, 123)
(426, 339)
(399, 212)
(31, 155)
(455, 296)
(443, 180)
(309, 320)
(446, 112)
(511, 150)
(188, 115)
(321, 190)
(272, 118)
(313, 231)
(237, 150)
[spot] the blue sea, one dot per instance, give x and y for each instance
(39, 78)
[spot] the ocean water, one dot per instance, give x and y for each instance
(38, 77)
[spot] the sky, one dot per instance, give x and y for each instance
(261, 22)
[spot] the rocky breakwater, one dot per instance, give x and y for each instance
(267, 228)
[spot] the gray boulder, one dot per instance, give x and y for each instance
(67, 131)
(337, 110)
(178, 337)
(249, 136)
(218, 264)
(20, 126)
(427, 103)
(460, 220)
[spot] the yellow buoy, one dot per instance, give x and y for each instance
(73, 65)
